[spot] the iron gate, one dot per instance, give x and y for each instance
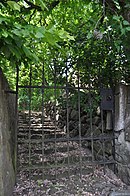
(64, 126)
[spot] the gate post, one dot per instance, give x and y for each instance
(7, 127)
(122, 131)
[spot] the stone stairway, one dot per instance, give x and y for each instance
(43, 148)
(36, 127)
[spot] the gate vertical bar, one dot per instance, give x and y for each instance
(103, 146)
(67, 121)
(79, 126)
(113, 121)
(30, 95)
(113, 131)
(101, 111)
(16, 113)
(55, 118)
(43, 144)
(90, 115)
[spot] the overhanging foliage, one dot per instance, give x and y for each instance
(82, 34)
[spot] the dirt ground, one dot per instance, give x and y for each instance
(93, 183)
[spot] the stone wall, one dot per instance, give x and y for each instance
(88, 126)
(7, 138)
(122, 131)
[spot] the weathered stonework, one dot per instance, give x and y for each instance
(7, 137)
(122, 131)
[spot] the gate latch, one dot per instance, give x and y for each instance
(107, 99)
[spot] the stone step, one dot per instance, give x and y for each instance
(54, 162)
(47, 149)
(121, 193)
(42, 131)
(35, 120)
(39, 137)
(56, 155)
(55, 172)
(37, 127)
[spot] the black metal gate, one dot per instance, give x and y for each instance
(64, 125)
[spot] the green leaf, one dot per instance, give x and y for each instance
(18, 42)
(15, 51)
(117, 44)
(123, 31)
(25, 32)
(117, 18)
(29, 54)
(8, 40)
(13, 5)
(35, 57)
(125, 22)
(41, 4)
(39, 35)
(90, 35)
(18, 26)
(27, 51)
(2, 19)
(49, 38)
(70, 37)
(65, 35)
(127, 28)
(41, 29)
(4, 33)
(117, 4)
(6, 51)
(17, 32)
(2, 6)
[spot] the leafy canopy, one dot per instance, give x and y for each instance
(87, 35)
(23, 30)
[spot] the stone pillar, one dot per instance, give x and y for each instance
(7, 134)
(122, 131)
(120, 104)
